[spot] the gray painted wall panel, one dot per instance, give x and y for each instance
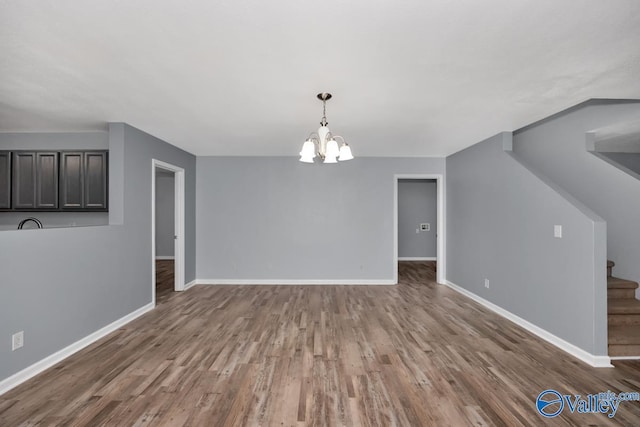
(556, 148)
(417, 203)
(53, 141)
(630, 161)
(62, 284)
(500, 223)
(276, 218)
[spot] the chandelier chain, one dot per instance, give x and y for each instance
(324, 121)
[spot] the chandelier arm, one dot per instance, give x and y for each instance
(315, 138)
(338, 136)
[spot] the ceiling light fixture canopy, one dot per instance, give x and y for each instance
(323, 143)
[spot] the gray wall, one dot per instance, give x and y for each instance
(54, 141)
(60, 285)
(165, 213)
(417, 203)
(500, 224)
(10, 220)
(556, 148)
(630, 161)
(276, 218)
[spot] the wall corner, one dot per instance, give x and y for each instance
(507, 141)
(116, 173)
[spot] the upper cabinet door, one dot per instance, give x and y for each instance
(95, 180)
(46, 180)
(24, 180)
(5, 179)
(72, 180)
(54, 181)
(83, 180)
(35, 180)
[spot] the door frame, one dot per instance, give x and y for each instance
(179, 217)
(440, 228)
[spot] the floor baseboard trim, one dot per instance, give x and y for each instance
(33, 370)
(190, 284)
(165, 257)
(577, 352)
(624, 357)
(416, 258)
(292, 282)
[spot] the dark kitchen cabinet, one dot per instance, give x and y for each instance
(71, 180)
(54, 180)
(34, 180)
(83, 180)
(95, 184)
(5, 179)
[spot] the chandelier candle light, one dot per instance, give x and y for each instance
(323, 143)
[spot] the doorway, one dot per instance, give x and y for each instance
(167, 219)
(419, 222)
(165, 230)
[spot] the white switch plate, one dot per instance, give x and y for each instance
(486, 283)
(17, 340)
(557, 231)
(425, 227)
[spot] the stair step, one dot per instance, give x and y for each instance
(624, 335)
(623, 319)
(624, 350)
(617, 283)
(621, 293)
(623, 306)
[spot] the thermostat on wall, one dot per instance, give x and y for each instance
(425, 226)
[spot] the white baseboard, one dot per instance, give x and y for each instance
(417, 258)
(190, 284)
(591, 359)
(624, 357)
(292, 282)
(33, 370)
(165, 257)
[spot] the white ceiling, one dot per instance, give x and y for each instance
(409, 77)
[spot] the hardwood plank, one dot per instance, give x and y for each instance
(413, 354)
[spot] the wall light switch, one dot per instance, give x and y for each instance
(557, 231)
(425, 227)
(17, 340)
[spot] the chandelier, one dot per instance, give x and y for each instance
(323, 143)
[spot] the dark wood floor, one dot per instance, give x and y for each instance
(164, 280)
(413, 354)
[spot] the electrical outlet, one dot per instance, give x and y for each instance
(486, 283)
(17, 340)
